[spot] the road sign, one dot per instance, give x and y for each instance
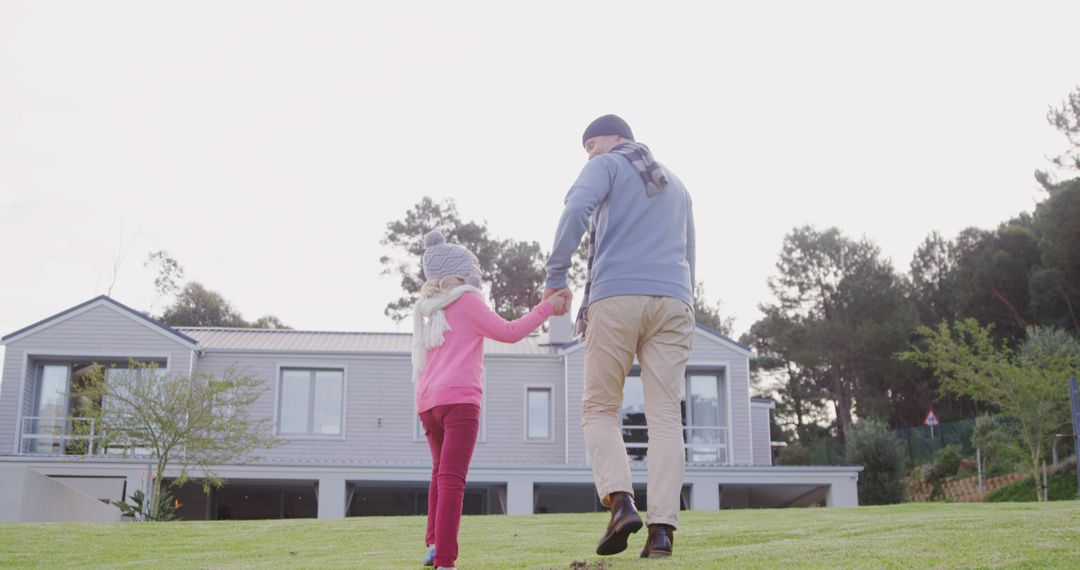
(931, 420)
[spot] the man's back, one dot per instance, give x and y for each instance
(644, 245)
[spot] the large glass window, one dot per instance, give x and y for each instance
(47, 427)
(57, 424)
(310, 401)
(704, 417)
(704, 414)
(538, 408)
(635, 434)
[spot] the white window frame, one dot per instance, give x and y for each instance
(308, 366)
(418, 427)
(550, 388)
(33, 360)
(722, 370)
(720, 373)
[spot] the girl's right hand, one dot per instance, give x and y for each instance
(557, 303)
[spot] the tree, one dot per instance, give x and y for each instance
(934, 277)
(882, 458)
(269, 322)
(709, 315)
(996, 441)
(169, 275)
(195, 421)
(197, 306)
(1027, 383)
(518, 281)
(801, 398)
(1055, 282)
(841, 312)
(515, 269)
(1067, 120)
(991, 281)
(933, 268)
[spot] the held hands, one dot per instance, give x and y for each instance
(560, 300)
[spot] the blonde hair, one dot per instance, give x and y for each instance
(437, 287)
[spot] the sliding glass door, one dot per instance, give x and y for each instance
(47, 424)
(706, 418)
(704, 414)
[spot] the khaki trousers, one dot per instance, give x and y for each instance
(659, 331)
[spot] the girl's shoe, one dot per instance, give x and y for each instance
(429, 558)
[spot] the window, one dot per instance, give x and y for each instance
(311, 402)
(635, 434)
(56, 424)
(704, 413)
(538, 411)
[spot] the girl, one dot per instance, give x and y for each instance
(450, 322)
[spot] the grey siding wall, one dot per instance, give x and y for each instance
(9, 398)
(762, 451)
(380, 411)
(97, 332)
(575, 375)
(377, 417)
(504, 441)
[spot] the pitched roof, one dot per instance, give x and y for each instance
(723, 336)
(99, 300)
(284, 340)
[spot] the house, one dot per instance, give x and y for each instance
(343, 403)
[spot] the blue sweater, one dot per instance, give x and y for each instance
(644, 246)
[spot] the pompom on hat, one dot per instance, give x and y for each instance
(443, 259)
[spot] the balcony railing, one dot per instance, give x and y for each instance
(47, 435)
(703, 444)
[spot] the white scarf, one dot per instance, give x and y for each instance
(430, 326)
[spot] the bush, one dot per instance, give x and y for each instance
(946, 462)
(163, 508)
(795, 454)
(997, 440)
(1062, 488)
(882, 458)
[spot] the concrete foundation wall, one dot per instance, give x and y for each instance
(28, 496)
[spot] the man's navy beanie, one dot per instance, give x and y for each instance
(607, 125)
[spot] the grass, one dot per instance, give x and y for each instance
(1000, 535)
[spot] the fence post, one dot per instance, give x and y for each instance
(978, 465)
(1046, 485)
(910, 448)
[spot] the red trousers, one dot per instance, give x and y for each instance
(451, 433)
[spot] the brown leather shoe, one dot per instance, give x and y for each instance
(624, 522)
(661, 540)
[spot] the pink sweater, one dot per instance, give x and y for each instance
(453, 373)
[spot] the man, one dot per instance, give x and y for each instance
(638, 301)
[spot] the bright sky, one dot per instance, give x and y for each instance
(265, 145)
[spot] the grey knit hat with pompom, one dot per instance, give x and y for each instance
(443, 259)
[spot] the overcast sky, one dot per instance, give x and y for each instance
(266, 145)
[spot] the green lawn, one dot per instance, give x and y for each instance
(1000, 535)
